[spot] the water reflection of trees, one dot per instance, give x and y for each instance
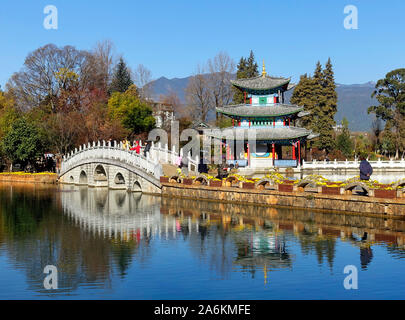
(315, 232)
(323, 247)
(35, 233)
(93, 235)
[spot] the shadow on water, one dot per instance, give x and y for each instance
(95, 235)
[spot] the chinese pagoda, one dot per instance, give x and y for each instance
(279, 142)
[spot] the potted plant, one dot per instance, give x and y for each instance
(387, 193)
(289, 181)
(284, 187)
(247, 184)
(187, 181)
(164, 179)
(331, 189)
(215, 183)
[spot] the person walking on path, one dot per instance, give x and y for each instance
(365, 169)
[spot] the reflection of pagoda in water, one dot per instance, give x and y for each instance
(102, 233)
(264, 250)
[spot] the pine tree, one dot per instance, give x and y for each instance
(252, 69)
(302, 96)
(330, 107)
(246, 68)
(390, 94)
(344, 142)
(240, 74)
(121, 79)
(318, 95)
(325, 96)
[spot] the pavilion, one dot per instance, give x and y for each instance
(279, 142)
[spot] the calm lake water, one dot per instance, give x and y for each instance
(118, 245)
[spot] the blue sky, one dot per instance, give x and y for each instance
(172, 37)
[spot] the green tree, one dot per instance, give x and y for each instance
(122, 78)
(8, 113)
(240, 74)
(344, 142)
(362, 145)
(246, 68)
(252, 69)
(318, 95)
(24, 142)
(326, 97)
(303, 96)
(388, 142)
(134, 113)
(390, 93)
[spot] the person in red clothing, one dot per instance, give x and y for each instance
(137, 147)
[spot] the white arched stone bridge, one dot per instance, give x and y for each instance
(109, 165)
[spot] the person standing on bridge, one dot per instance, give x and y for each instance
(366, 169)
(125, 144)
(136, 147)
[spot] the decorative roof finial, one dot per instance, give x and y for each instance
(264, 70)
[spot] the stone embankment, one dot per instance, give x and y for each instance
(297, 198)
(48, 178)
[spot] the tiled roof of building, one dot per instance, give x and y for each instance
(263, 134)
(262, 83)
(200, 125)
(243, 110)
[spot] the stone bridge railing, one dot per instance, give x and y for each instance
(151, 163)
(111, 151)
(391, 164)
(165, 155)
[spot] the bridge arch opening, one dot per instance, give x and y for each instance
(201, 180)
(71, 179)
(100, 174)
(119, 179)
(400, 185)
(137, 187)
(264, 184)
(307, 186)
(83, 177)
(357, 188)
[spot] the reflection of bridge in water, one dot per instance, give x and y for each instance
(125, 215)
(257, 235)
(119, 214)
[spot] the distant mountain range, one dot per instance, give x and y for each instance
(353, 99)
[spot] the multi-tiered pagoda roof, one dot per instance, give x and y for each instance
(248, 111)
(264, 110)
(263, 84)
(265, 124)
(268, 134)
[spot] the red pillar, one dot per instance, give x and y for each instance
(293, 152)
(233, 122)
(299, 152)
(244, 97)
(274, 153)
